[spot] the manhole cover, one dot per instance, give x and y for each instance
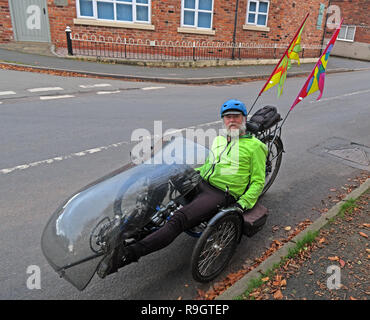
(356, 155)
(347, 152)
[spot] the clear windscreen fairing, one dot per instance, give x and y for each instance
(116, 206)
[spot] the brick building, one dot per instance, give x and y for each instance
(238, 21)
(354, 37)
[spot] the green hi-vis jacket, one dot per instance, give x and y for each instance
(239, 166)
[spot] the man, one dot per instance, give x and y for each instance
(236, 174)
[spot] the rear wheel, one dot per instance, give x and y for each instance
(273, 161)
(215, 248)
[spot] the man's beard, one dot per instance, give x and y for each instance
(233, 133)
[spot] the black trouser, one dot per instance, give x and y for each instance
(202, 208)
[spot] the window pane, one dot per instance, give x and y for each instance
(342, 32)
(263, 7)
(105, 10)
(204, 20)
(86, 8)
(252, 6)
(124, 0)
(189, 4)
(142, 13)
(261, 20)
(189, 18)
(351, 33)
(251, 18)
(124, 12)
(142, 1)
(205, 4)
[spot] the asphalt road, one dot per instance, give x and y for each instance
(51, 148)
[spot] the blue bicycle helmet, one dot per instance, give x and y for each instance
(233, 105)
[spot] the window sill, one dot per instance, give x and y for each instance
(114, 24)
(196, 31)
(255, 28)
(345, 40)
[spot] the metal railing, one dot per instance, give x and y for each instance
(137, 49)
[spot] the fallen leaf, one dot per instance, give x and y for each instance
(363, 234)
(333, 190)
(310, 272)
(283, 283)
(367, 225)
(322, 240)
(333, 258)
(368, 250)
(265, 279)
(179, 298)
(278, 295)
(255, 294)
(342, 263)
(352, 298)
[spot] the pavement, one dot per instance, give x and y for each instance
(328, 260)
(26, 56)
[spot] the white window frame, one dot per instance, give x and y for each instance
(134, 6)
(196, 10)
(346, 32)
(257, 13)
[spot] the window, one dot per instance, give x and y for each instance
(116, 10)
(257, 13)
(197, 13)
(347, 33)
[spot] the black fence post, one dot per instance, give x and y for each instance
(69, 41)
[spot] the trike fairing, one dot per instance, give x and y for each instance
(116, 207)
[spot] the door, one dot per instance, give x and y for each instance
(30, 20)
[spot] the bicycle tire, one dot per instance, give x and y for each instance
(212, 244)
(271, 173)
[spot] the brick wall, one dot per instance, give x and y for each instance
(355, 12)
(283, 21)
(6, 30)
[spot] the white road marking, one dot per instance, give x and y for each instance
(45, 89)
(57, 97)
(107, 92)
(89, 151)
(152, 88)
(4, 93)
(341, 96)
(98, 85)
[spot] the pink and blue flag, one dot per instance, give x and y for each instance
(316, 79)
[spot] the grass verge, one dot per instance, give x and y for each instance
(257, 282)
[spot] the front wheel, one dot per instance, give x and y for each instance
(215, 248)
(273, 160)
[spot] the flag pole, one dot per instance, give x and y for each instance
(254, 104)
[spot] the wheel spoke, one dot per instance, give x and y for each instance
(215, 246)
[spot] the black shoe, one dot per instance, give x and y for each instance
(114, 260)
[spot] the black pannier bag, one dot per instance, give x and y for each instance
(254, 219)
(263, 119)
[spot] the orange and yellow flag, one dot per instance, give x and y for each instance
(278, 76)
